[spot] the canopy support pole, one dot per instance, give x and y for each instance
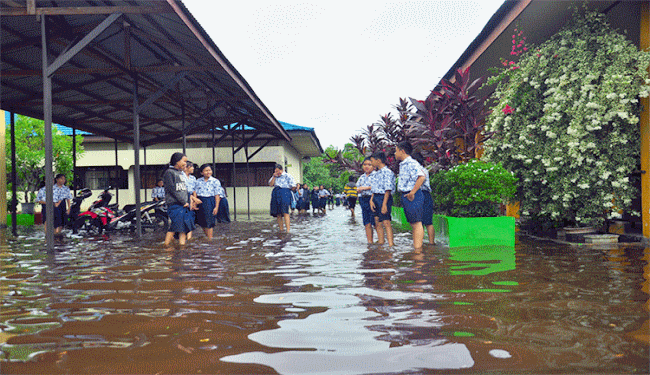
(183, 125)
(136, 156)
(47, 118)
(74, 161)
(117, 176)
(234, 185)
(14, 179)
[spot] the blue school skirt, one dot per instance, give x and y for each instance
(181, 219)
(315, 204)
(204, 217)
(427, 211)
(366, 213)
(280, 201)
(322, 202)
(379, 200)
(413, 210)
(59, 215)
(223, 216)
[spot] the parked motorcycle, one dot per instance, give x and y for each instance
(98, 215)
(153, 217)
(75, 207)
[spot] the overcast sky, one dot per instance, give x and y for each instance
(336, 66)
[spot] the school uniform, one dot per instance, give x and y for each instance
(427, 207)
(383, 181)
(364, 198)
(409, 171)
(58, 194)
(223, 215)
(300, 204)
(294, 199)
(176, 197)
(281, 194)
(315, 202)
(190, 180)
(322, 198)
(206, 191)
(158, 192)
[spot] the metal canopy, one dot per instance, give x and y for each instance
(185, 84)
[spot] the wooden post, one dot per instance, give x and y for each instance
(645, 129)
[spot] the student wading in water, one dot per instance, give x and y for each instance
(177, 199)
(281, 196)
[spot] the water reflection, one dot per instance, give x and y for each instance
(319, 301)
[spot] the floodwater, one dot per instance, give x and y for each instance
(322, 301)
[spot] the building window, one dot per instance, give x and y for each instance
(100, 178)
(258, 174)
(150, 173)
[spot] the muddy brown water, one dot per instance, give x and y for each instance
(319, 301)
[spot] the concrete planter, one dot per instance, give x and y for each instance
(600, 239)
(577, 234)
(475, 231)
(399, 218)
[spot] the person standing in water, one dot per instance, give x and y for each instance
(282, 183)
(364, 189)
(381, 202)
(207, 191)
(61, 195)
(350, 190)
(411, 178)
(177, 199)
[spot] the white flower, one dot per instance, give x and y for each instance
(583, 186)
(622, 115)
(611, 96)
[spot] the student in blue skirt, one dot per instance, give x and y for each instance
(177, 199)
(61, 196)
(190, 180)
(427, 218)
(281, 196)
(381, 202)
(306, 196)
(315, 202)
(322, 199)
(411, 178)
(364, 187)
(207, 191)
(223, 216)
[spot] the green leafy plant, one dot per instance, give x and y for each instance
(30, 154)
(566, 122)
(473, 189)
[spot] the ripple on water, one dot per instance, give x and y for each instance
(320, 301)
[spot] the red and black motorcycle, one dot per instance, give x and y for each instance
(98, 215)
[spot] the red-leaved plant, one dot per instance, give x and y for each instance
(448, 126)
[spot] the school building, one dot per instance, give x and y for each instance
(103, 165)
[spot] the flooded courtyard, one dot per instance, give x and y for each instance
(319, 300)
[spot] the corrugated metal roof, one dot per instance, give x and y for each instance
(93, 91)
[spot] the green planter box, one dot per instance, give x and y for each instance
(398, 217)
(21, 219)
(475, 231)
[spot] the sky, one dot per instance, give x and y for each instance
(337, 66)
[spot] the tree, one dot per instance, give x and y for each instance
(318, 172)
(30, 154)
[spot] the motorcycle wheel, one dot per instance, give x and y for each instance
(158, 223)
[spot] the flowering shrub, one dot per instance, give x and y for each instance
(472, 189)
(567, 122)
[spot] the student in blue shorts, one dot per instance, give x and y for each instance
(381, 201)
(411, 178)
(281, 196)
(364, 187)
(427, 218)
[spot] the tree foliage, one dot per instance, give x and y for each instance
(30, 154)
